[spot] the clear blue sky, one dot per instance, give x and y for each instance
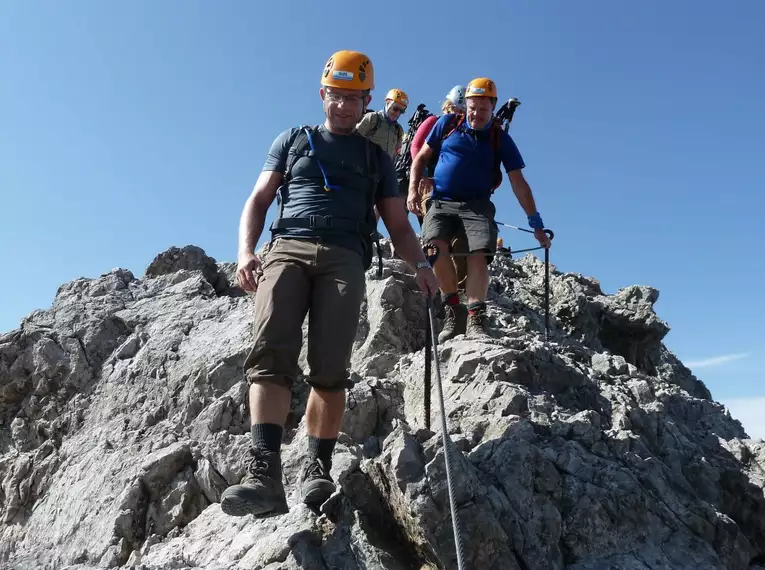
(134, 126)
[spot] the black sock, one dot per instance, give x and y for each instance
(268, 436)
(477, 308)
(321, 448)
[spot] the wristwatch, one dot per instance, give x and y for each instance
(421, 265)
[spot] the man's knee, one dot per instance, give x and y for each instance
(479, 261)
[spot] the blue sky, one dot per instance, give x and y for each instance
(131, 127)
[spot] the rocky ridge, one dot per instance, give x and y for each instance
(123, 417)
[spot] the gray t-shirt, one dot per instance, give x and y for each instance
(306, 195)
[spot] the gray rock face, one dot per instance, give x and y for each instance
(124, 416)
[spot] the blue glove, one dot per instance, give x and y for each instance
(536, 222)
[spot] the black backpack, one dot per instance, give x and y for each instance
(300, 146)
(403, 162)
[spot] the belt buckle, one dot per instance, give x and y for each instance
(320, 222)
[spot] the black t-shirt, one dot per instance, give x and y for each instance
(342, 156)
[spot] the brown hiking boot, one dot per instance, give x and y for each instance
(454, 323)
(477, 325)
(317, 484)
(261, 492)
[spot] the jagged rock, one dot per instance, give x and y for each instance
(190, 258)
(124, 416)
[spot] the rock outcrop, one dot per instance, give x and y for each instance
(123, 416)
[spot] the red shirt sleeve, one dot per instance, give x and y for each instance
(422, 133)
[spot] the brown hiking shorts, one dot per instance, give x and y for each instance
(301, 276)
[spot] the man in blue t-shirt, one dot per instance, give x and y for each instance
(469, 150)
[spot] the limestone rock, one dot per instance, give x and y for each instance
(124, 415)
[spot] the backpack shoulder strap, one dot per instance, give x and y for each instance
(375, 119)
(373, 162)
(299, 147)
(373, 172)
(453, 125)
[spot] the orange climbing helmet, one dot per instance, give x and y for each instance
(481, 87)
(347, 69)
(398, 96)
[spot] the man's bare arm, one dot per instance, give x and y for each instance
(254, 213)
(522, 192)
(418, 166)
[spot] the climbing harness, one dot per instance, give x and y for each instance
(447, 442)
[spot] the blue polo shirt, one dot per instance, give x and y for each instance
(466, 161)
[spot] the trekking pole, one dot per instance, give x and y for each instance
(506, 112)
(428, 357)
(547, 286)
(447, 442)
(514, 227)
(551, 235)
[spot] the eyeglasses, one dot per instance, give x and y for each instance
(333, 97)
(397, 109)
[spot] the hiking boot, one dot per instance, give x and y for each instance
(477, 325)
(261, 492)
(454, 323)
(317, 484)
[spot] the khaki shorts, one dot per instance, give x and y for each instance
(301, 276)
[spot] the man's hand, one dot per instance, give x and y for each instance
(413, 203)
(427, 281)
(414, 199)
(426, 186)
(248, 271)
(542, 238)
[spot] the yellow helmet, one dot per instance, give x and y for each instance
(481, 87)
(398, 96)
(349, 70)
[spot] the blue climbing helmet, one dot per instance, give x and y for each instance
(457, 97)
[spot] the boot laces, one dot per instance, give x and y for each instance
(314, 469)
(257, 464)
